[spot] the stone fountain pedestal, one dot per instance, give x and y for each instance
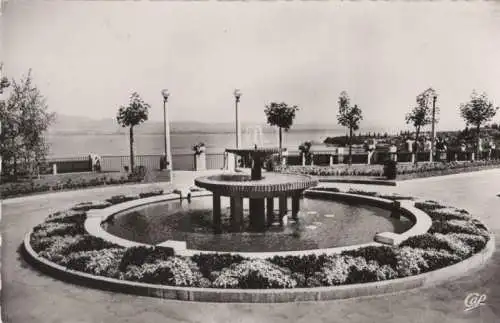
(260, 190)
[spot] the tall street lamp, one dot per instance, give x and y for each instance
(237, 96)
(433, 141)
(166, 129)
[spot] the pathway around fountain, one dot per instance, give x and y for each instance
(28, 296)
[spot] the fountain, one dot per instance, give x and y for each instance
(260, 190)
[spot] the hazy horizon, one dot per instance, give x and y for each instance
(87, 57)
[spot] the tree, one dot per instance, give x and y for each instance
(280, 115)
(478, 111)
(24, 121)
(421, 114)
(349, 117)
(4, 81)
(130, 116)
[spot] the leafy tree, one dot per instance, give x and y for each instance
(280, 115)
(478, 111)
(4, 81)
(130, 116)
(349, 117)
(421, 115)
(24, 118)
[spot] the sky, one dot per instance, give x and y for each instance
(88, 56)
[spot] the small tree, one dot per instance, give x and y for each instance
(133, 115)
(280, 115)
(4, 81)
(349, 117)
(421, 115)
(478, 111)
(24, 119)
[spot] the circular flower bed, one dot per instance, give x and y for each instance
(453, 237)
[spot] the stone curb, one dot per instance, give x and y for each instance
(258, 296)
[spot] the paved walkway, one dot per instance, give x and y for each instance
(28, 296)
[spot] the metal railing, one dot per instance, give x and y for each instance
(110, 163)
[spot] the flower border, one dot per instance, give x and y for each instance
(252, 295)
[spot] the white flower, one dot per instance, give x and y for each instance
(410, 261)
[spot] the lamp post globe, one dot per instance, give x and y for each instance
(165, 94)
(237, 95)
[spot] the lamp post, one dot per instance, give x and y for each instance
(237, 96)
(166, 128)
(433, 140)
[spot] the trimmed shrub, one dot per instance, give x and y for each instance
(139, 255)
(366, 272)
(335, 271)
(149, 194)
(457, 246)
(411, 261)
(70, 216)
(383, 255)
(49, 229)
(306, 265)
(394, 197)
(426, 241)
(437, 259)
(359, 192)
(254, 274)
(116, 199)
(315, 280)
(428, 205)
(457, 226)
(89, 243)
(174, 271)
(447, 213)
(300, 279)
(209, 263)
(96, 262)
(57, 246)
(85, 206)
(40, 244)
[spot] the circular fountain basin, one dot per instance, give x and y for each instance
(271, 184)
(192, 222)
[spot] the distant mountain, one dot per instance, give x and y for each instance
(77, 125)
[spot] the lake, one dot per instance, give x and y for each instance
(68, 145)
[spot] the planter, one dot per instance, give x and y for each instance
(390, 169)
(200, 161)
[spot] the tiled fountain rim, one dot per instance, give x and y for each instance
(269, 184)
(422, 223)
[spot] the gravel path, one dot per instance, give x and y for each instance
(28, 296)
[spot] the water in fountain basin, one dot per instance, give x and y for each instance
(192, 222)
